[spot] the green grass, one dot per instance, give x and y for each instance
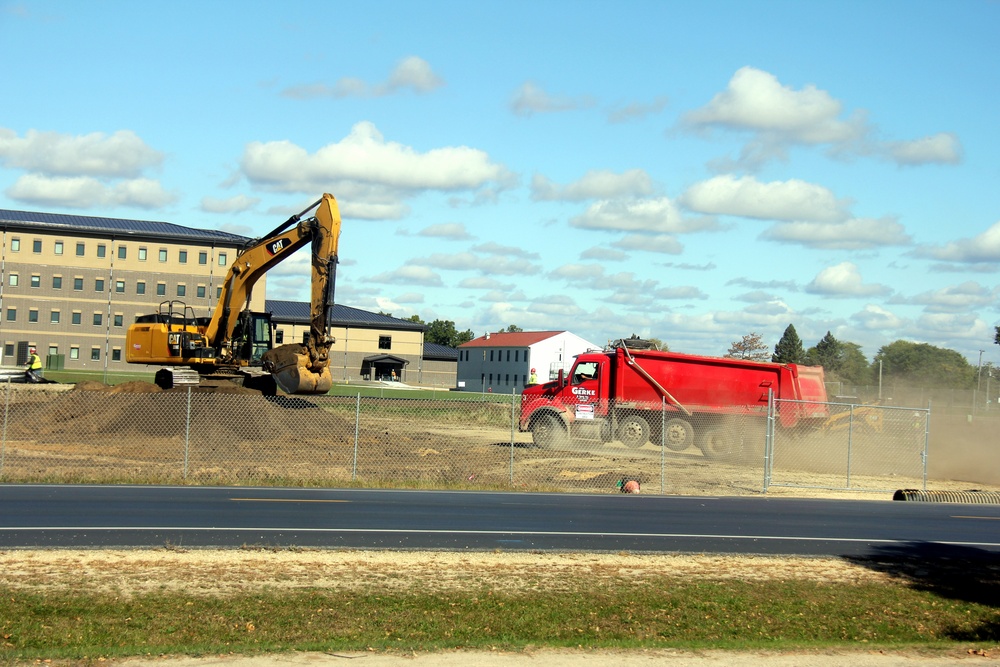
(658, 613)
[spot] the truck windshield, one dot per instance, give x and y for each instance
(584, 371)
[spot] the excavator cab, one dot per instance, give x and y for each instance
(252, 337)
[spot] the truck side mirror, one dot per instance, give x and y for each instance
(562, 378)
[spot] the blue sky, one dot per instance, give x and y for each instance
(689, 171)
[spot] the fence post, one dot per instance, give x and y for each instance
(850, 444)
(927, 439)
(187, 433)
(6, 413)
(357, 423)
(768, 439)
(512, 418)
(663, 444)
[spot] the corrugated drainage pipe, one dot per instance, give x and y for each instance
(974, 496)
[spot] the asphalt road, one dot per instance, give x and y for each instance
(61, 516)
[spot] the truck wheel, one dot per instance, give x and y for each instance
(719, 444)
(633, 431)
(548, 432)
(678, 435)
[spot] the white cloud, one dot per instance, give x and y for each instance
(843, 280)
(604, 254)
(236, 204)
(658, 215)
(530, 99)
(453, 231)
(494, 248)
(660, 243)
(637, 110)
(982, 248)
(854, 234)
(779, 200)
(120, 155)
(942, 148)
(876, 318)
(482, 282)
(85, 192)
(961, 298)
(756, 100)
(594, 184)
(408, 275)
(411, 73)
(377, 170)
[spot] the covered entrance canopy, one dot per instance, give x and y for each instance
(383, 367)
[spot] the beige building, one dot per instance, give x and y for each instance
(370, 346)
(71, 285)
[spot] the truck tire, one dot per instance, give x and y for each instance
(633, 431)
(719, 444)
(549, 432)
(678, 435)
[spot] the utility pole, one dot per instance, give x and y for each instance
(979, 383)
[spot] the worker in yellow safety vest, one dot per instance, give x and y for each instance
(34, 372)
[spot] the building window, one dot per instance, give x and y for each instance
(385, 342)
(54, 317)
(15, 245)
(76, 317)
(59, 247)
(95, 354)
(99, 285)
(74, 352)
(182, 256)
(181, 290)
(81, 249)
(56, 282)
(218, 292)
(279, 337)
(163, 254)
(78, 284)
(140, 287)
(120, 286)
(33, 315)
(36, 246)
(122, 252)
(36, 280)
(161, 289)
(97, 319)
(142, 254)
(12, 314)
(116, 354)
(222, 259)
(101, 250)
(119, 319)
(203, 258)
(201, 291)
(12, 280)
(8, 350)
(491, 356)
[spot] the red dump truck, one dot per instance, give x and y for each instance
(635, 394)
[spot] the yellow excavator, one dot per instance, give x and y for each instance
(235, 344)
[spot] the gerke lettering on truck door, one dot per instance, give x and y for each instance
(584, 387)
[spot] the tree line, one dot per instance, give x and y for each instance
(919, 364)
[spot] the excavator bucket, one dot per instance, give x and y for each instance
(295, 373)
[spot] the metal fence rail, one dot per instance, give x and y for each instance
(125, 435)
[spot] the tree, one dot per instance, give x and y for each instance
(926, 365)
(825, 353)
(443, 332)
(659, 344)
(789, 349)
(512, 328)
(751, 346)
(415, 318)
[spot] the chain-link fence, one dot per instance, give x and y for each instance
(138, 434)
(858, 447)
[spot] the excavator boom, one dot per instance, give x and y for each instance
(231, 338)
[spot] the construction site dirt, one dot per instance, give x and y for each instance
(136, 432)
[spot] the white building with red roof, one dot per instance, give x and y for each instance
(502, 363)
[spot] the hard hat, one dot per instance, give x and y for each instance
(532, 370)
(31, 349)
